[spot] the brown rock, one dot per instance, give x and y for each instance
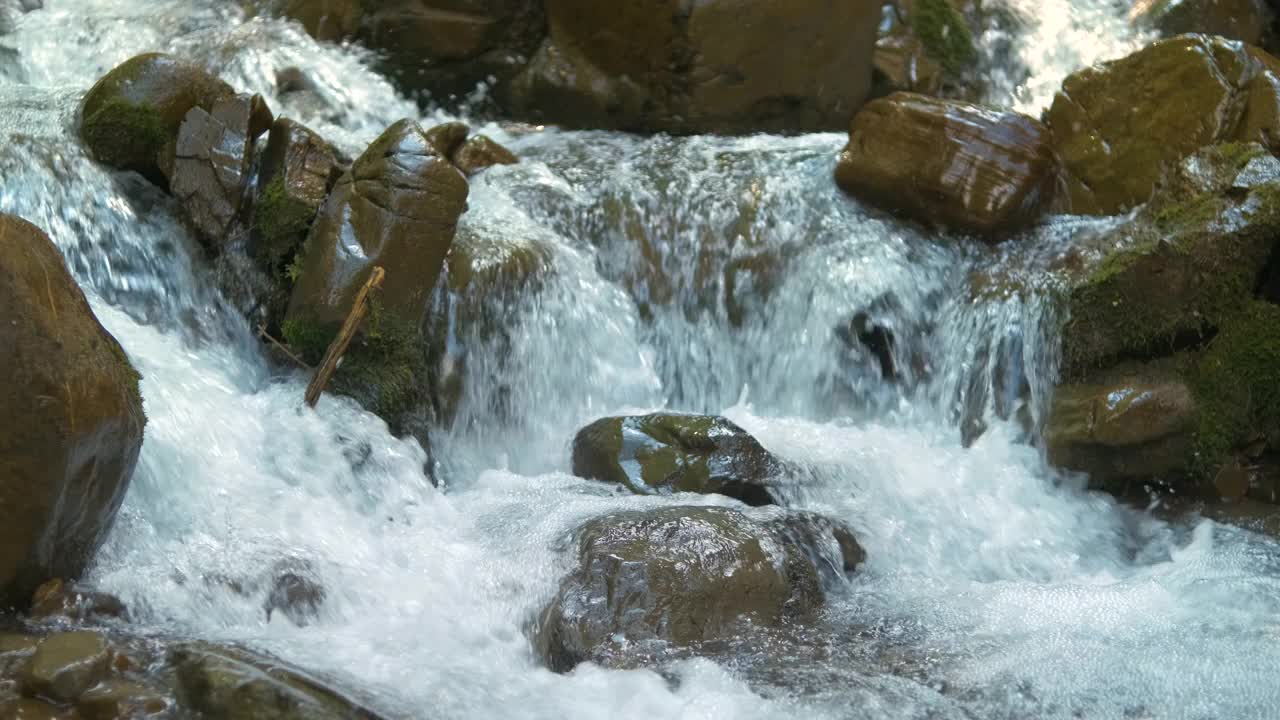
(675, 67)
(1117, 126)
(65, 665)
(949, 162)
(130, 118)
(400, 203)
(1243, 20)
(72, 423)
(480, 152)
(56, 598)
(446, 138)
(114, 699)
(298, 168)
(213, 156)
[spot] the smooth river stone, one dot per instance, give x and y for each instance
(949, 162)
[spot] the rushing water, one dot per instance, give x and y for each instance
(995, 587)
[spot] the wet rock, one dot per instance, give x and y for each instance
(114, 699)
(298, 168)
(398, 208)
(480, 152)
(57, 598)
(26, 709)
(488, 273)
(949, 162)
(678, 576)
(923, 46)
(1114, 144)
(230, 684)
(1187, 262)
(130, 118)
(444, 47)
(73, 421)
(1244, 20)
(1138, 426)
(672, 452)
(212, 163)
(674, 67)
(446, 138)
(65, 665)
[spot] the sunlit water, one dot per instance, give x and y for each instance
(995, 587)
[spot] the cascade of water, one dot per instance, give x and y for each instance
(708, 274)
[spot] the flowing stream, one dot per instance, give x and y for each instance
(995, 586)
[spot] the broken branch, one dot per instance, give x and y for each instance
(338, 348)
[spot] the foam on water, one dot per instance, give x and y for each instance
(994, 587)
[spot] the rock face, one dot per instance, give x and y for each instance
(72, 422)
(924, 46)
(445, 47)
(213, 160)
(676, 67)
(949, 162)
(1114, 143)
(1171, 356)
(397, 208)
(681, 576)
(130, 118)
(671, 452)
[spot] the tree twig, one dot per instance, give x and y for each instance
(338, 348)
(262, 333)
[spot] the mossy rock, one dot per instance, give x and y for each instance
(73, 418)
(685, 576)
(400, 202)
(1237, 387)
(673, 452)
(130, 118)
(1114, 143)
(944, 33)
(1187, 263)
(1244, 20)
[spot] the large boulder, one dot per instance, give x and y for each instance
(130, 118)
(714, 66)
(398, 208)
(949, 162)
(72, 421)
(442, 47)
(1171, 353)
(685, 576)
(1115, 142)
(674, 452)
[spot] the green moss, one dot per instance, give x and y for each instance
(281, 223)
(383, 368)
(1194, 213)
(125, 135)
(1237, 385)
(1238, 154)
(944, 33)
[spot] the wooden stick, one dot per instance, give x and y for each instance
(262, 333)
(338, 347)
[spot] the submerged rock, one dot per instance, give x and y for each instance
(1114, 143)
(57, 598)
(73, 420)
(65, 665)
(231, 684)
(212, 162)
(398, 208)
(949, 162)
(672, 452)
(714, 66)
(683, 576)
(130, 118)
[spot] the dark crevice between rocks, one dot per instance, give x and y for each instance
(863, 331)
(1269, 280)
(1186, 341)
